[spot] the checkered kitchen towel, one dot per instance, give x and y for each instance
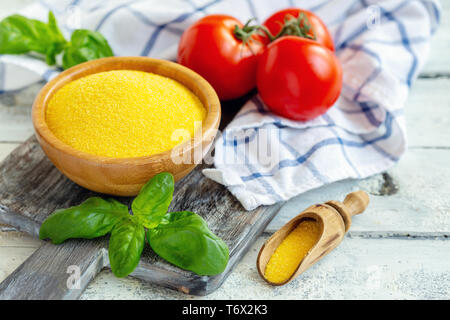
(260, 157)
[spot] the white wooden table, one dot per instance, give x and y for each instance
(399, 248)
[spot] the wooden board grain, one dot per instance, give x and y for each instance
(31, 188)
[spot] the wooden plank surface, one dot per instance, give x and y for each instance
(428, 139)
(389, 268)
(419, 203)
(439, 63)
(6, 148)
(31, 188)
(15, 114)
(46, 274)
(15, 248)
(427, 113)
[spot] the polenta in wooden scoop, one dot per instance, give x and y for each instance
(307, 238)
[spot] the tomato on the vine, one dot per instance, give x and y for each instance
(317, 30)
(298, 78)
(224, 51)
(297, 74)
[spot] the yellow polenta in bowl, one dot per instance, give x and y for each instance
(112, 124)
(123, 113)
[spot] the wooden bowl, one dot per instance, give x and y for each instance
(125, 176)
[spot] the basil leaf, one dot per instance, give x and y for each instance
(85, 45)
(125, 247)
(183, 239)
(93, 218)
(19, 35)
(153, 201)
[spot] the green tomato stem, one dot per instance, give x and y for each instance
(300, 27)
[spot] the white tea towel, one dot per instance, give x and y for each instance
(260, 157)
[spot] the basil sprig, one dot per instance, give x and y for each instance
(181, 238)
(21, 35)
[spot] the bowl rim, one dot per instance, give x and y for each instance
(210, 124)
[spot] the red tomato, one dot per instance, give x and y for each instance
(275, 21)
(211, 48)
(298, 78)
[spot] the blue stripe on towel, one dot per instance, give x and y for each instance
(327, 142)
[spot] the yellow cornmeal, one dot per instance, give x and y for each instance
(291, 251)
(123, 113)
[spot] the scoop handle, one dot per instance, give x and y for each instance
(356, 202)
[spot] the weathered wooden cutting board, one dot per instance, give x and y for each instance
(31, 188)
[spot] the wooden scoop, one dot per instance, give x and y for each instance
(334, 218)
